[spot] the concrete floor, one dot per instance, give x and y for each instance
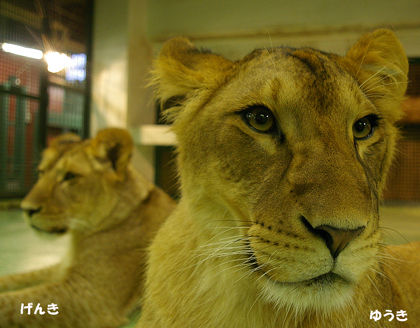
(21, 249)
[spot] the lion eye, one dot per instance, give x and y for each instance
(260, 119)
(364, 128)
(69, 176)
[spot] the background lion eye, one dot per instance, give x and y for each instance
(363, 128)
(260, 119)
(69, 176)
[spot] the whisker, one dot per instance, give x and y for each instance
(239, 266)
(394, 258)
(376, 73)
(380, 273)
(364, 56)
(374, 87)
(374, 285)
(394, 230)
(221, 233)
(268, 52)
(229, 240)
(223, 250)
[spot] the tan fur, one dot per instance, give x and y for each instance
(244, 249)
(111, 213)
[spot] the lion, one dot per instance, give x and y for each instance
(111, 212)
(282, 158)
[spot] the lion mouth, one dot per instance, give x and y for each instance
(56, 231)
(325, 279)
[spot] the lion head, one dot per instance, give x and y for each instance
(81, 184)
(284, 154)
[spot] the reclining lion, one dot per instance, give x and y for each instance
(282, 158)
(111, 212)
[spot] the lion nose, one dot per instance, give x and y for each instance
(337, 239)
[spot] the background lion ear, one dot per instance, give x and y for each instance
(381, 63)
(65, 139)
(114, 145)
(181, 69)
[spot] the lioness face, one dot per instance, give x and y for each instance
(296, 148)
(77, 186)
(67, 188)
(280, 146)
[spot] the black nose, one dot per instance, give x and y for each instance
(335, 239)
(32, 211)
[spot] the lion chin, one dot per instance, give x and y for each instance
(323, 293)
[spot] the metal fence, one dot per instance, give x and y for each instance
(403, 184)
(36, 105)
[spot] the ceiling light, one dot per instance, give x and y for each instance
(22, 51)
(56, 61)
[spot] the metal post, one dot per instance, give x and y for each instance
(4, 127)
(88, 81)
(19, 153)
(41, 141)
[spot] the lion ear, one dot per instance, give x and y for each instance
(381, 64)
(65, 139)
(181, 69)
(114, 145)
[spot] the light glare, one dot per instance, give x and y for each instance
(22, 51)
(56, 61)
